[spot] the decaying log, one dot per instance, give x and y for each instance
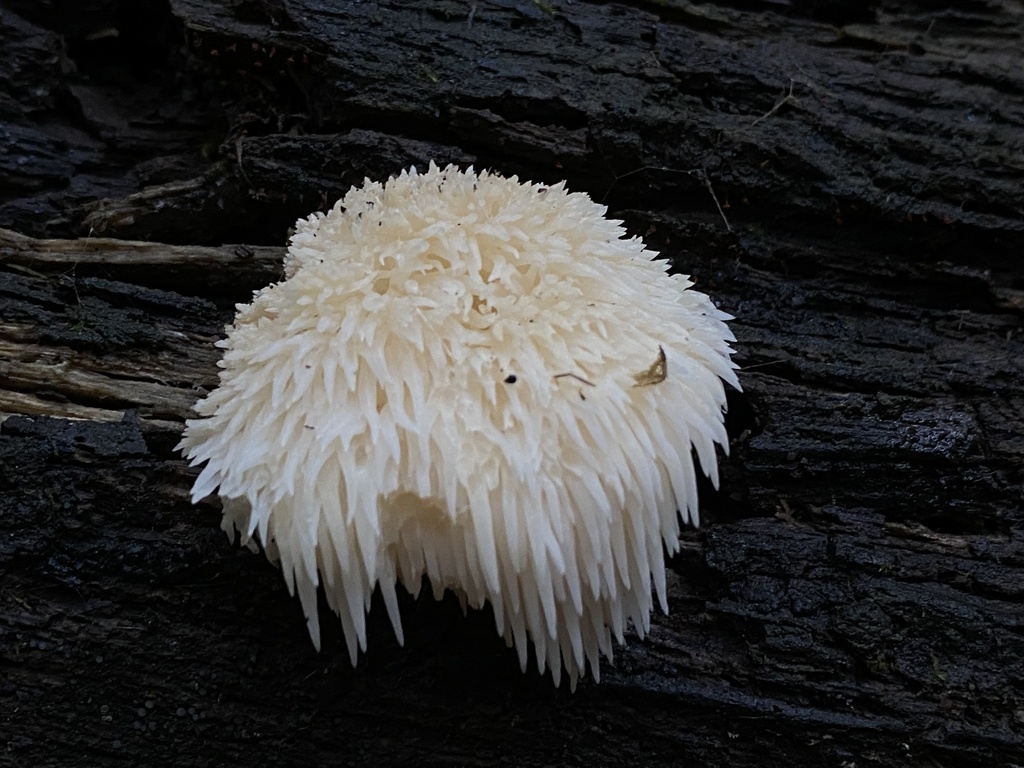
(843, 177)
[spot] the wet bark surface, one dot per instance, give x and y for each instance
(843, 177)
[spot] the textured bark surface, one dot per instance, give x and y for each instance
(845, 178)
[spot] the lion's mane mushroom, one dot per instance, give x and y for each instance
(476, 380)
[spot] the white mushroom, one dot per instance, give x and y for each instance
(476, 380)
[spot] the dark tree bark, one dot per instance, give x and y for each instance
(843, 177)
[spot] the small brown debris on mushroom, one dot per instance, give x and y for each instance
(655, 374)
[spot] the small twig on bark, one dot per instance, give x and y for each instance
(700, 173)
(783, 99)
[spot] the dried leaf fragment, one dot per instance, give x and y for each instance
(655, 374)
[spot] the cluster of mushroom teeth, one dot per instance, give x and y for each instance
(479, 381)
